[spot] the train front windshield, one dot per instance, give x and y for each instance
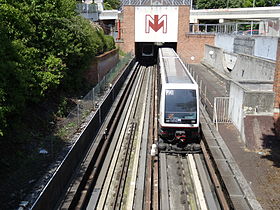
(180, 106)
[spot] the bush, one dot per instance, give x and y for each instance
(110, 43)
(44, 46)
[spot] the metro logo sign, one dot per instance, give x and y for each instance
(155, 23)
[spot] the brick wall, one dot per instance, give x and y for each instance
(189, 46)
(183, 28)
(276, 89)
(127, 29)
(101, 65)
(193, 47)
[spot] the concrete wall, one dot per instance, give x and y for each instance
(237, 94)
(260, 46)
(239, 67)
(253, 68)
(266, 47)
(214, 56)
(246, 102)
(225, 41)
(101, 65)
(258, 102)
(244, 45)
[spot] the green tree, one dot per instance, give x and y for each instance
(44, 45)
(111, 4)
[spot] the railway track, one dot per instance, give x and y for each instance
(185, 183)
(113, 173)
(118, 171)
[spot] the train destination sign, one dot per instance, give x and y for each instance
(156, 24)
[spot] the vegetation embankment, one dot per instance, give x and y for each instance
(44, 49)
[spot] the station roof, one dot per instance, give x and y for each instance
(156, 2)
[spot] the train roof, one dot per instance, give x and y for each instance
(173, 68)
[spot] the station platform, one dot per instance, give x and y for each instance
(261, 166)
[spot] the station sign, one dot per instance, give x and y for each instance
(156, 24)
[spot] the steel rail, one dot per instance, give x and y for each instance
(218, 187)
(149, 175)
(140, 183)
(134, 171)
(118, 196)
(118, 138)
(155, 159)
(116, 204)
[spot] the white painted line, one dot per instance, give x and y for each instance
(197, 184)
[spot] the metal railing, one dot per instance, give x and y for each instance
(86, 8)
(156, 2)
(202, 87)
(89, 103)
(222, 110)
(264, 28)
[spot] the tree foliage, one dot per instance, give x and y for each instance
(111, 4)
(216, 4)
(44, 46)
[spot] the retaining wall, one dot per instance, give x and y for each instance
(101, 65)
(260, 46)
(239, 67)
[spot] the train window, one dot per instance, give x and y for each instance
(180, 106)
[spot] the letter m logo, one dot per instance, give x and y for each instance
(156, 23)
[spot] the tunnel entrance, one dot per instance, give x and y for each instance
(146, 52)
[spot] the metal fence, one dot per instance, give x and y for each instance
(89, 103)
(202, 87)
(264, 28)
(222, 110)
(156, 2)
(86, 8)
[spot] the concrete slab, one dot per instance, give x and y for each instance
(224, 168)
(211, 142)
(232, 186)
(217, 153)
(239, 202)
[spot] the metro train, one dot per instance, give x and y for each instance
(179, 125)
